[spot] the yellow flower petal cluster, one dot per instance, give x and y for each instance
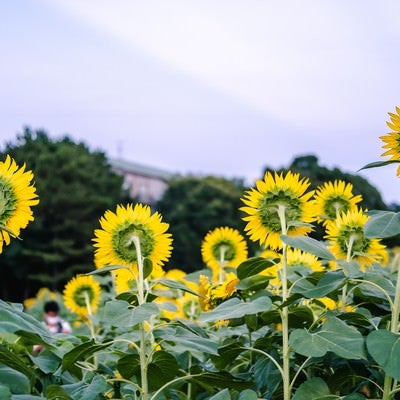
(392, 139)
(347, 240)
(223, 247)
(114, 242)
(333, 198)
(262, 204)
(17, 196)
(80, 293)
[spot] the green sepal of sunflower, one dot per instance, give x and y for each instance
(9, 231)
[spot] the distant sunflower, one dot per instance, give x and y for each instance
(223, 247)
(331, 199)
(262, 204)
(124, 280)
(115, 244)
(17, 196)
(392, 139)
(346, 238)
(78, 291)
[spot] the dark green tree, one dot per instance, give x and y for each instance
(193, 206)
(75, 187)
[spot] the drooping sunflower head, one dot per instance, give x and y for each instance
(115, 240)
(17, 196)
(333, 198)
(275, 192)
(222, 247)
(82, 295)
(347, 239)
(392, 139)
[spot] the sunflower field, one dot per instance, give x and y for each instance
(301, 319)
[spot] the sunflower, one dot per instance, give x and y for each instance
(263, 202)
(115, 244)
(80, 290)
(17, 196)
(223, 247)
(295, 258)
(347, 239)
(392, 139)
(331, 199)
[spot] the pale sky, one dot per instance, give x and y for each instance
(213, 87)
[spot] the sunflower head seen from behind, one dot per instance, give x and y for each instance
(392, 139)
(82, 295)
(17, 196)
(263, 202)
(347, 240)
(222, 247)
(333, 198)
(114, 242)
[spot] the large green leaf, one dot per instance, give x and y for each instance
(235, 308)
(162, 369)
(309, 245)
(334, 336)
(254, 282)
(181, 340)
(383, 225)
(16, 362)
(384, 347)
(12, 319)
(254, 266)
(313, 389)
(16, 381)
(211, 380)
(128, 365)
(330, 281)
(248, 395)
(121, 314)
(56, 392)
(5, 393)
(87, 390)
(47, 361)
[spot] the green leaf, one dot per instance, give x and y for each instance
(47, 361)
(309, 245)
(382, 225)
(254, 266)
(5, 393)
(334, 336)
(176, 285)
(108, 268)
(128, 365)
(16, 362)
(313, 389)
(330, 281)
(222, 395)
(81, 352)
(26, 397)
(254, 282)
(384, 347)
(352, 268)
(248, 395)
(162, 369)
(227, 354)
(211, 380)
(379, 164)
(147, 267)
(235, 308)
(16, 381)
(87, 391)
(120, 314)
(56, 392)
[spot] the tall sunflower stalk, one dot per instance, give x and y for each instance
(127, 237)
(274, 208)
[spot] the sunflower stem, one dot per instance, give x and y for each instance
(285, 310)
(348, 259)
(222, 251)
(90, 323)
(394, 328)
(141, 300)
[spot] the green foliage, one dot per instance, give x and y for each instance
(75, 187)
(193, 206)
